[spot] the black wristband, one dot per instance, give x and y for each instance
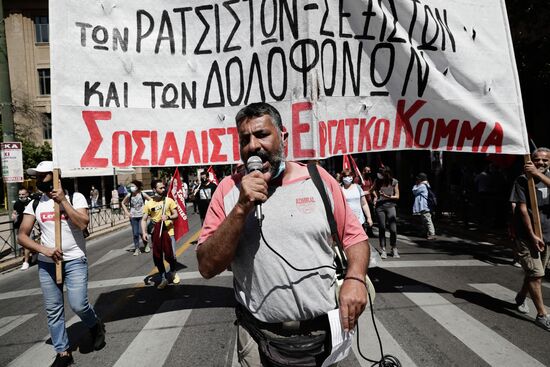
(358, 279)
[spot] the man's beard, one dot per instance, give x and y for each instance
(274, 159)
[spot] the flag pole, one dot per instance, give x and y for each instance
(57, 218)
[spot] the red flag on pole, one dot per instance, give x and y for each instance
(345, 162)
(356, 169)
(212, 175)
(175, 191)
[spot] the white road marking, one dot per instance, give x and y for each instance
(369, 343)
(499, 292)
(154, 342)
(430, 263)
(39, 352)
(487, 344)
(9, 323)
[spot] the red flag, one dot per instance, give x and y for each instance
(212, 175)
(345, 162)
(356, 169)
(175, 191)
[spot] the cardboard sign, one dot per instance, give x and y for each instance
(148, 83)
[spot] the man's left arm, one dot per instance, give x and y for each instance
(353, 293)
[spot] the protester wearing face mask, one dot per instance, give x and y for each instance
(136, 200)
(386, 195)
(203, 194)
(355, 196)
(17, 218)
(72, 256)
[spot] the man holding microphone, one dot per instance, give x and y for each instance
(282, 299)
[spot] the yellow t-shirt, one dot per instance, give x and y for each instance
(154, 210)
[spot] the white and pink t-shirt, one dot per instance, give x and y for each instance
(296, 226)
(73, 243)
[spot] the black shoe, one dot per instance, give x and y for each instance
(98, 335)
(63, 361)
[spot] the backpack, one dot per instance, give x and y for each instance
(432, 199)
(35, 203)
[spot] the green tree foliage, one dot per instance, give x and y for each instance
(34, 153)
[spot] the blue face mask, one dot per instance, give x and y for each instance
(281, 169)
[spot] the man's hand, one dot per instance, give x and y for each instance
(145, 237)
(164, 217)
(537, 243)
(369, 222)
(253, 189)
(53, 253)
(353, 299)
(531, 170)
(58, 195)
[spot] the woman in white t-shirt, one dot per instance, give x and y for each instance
(355, 197)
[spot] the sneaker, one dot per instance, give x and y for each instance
(63, 360)
(176, 278)
(431, 238)
(515, 264)
(521, 305)
(543, 322)
(163, 283)
(147, 248)
(98, 335)
(394, 253)
(384, 255)
(24, 266)
(136, 252)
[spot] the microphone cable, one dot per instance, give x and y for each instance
(387, 360)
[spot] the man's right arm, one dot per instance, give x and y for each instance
(23, 238)
(535, 241)
(216, 253)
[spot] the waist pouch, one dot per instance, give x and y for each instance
(300, 343)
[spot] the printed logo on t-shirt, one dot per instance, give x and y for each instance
(50, 217)
(305, 205)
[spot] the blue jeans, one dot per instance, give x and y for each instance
(136, 230)
(75, 277)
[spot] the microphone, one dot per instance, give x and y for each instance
(254, 163)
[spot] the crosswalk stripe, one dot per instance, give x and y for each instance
(107, 283)
(39, 352)
(431, 263)
(159, 335)
(504, 294)
(487, 344)
(369, 343)
(9, 323)
(547, 285)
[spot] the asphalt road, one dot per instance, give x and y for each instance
(443, 303)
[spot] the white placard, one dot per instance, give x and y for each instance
(12, 162)
(149, 83)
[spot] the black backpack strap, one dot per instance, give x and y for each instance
(34, 205)
(341, 261)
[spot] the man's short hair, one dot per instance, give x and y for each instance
(541, 150)
(154, 183)
(257, 110)
(23, 189)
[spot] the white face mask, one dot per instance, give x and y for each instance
(380, 176)
(347, 180)
(133, 189)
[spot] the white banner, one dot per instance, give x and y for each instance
(12, 162)
(158, 83)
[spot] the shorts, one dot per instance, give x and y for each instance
(533, 262)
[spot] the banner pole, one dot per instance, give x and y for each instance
(533, 201)
(57, 217)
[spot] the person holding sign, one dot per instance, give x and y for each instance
(162, 211)
(74, 219)
(533, 250)
(283, 299)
